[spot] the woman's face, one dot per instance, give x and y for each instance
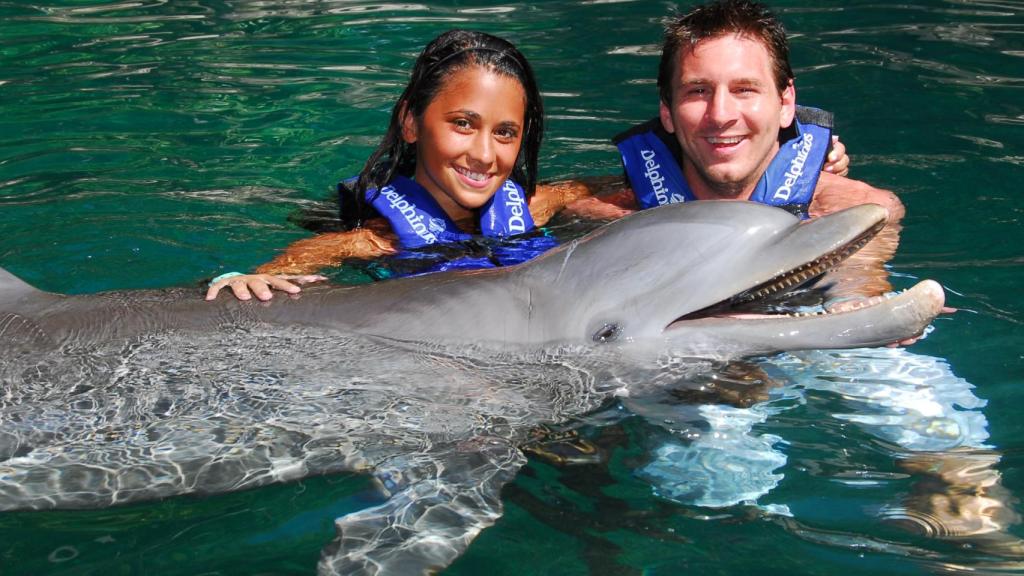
(468, 138)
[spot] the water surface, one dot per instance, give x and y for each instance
(151, 143)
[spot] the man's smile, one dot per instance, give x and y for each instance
(723, 140)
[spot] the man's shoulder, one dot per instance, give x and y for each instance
(834, 193)
(652, 125)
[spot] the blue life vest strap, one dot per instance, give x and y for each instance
(651, 158)
(418, 220)
(405, 204)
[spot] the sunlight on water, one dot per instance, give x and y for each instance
(150, 143)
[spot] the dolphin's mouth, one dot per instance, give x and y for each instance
(783, 293)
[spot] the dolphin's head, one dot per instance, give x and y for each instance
(657, 273)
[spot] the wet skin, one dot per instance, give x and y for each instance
(726, 112)
(468, 139)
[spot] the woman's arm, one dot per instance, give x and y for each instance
(309, 255)
(596, 197)
(301, 259)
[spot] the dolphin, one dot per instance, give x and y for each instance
(430, 383)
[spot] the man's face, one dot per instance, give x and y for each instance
(726, 113)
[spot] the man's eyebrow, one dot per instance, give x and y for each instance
(739, 81)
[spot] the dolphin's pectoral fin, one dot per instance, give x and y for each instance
(432, 519)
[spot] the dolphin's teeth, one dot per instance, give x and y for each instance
(798, 275)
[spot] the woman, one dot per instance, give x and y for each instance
(459, 158)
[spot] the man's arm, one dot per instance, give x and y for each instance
(863, 274)
(834, 193)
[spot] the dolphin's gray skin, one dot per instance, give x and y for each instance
(428, 382)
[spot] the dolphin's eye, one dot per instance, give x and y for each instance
(607, 333)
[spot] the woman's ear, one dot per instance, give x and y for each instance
(408, 125)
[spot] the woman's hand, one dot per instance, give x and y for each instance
(244, 286)
(837, 162)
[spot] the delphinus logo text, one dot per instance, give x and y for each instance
(408, 210)
(796, 167)
(515, 204)
(652, 171)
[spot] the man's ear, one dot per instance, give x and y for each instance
(788, 105)
(666, 117)
(409, 131)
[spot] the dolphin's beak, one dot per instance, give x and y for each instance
(880, 322)
(746, 321)
(837, 237)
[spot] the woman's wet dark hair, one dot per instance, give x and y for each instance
(452, 51)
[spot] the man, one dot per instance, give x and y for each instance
(728, 125)
(728, 128)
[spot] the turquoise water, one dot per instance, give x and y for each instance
(151, 144)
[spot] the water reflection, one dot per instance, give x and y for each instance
(155, 141)
(925, 432)
(927, 424)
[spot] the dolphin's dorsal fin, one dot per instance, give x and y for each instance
(12, 287)
(17, 331)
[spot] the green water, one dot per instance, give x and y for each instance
(150, 144)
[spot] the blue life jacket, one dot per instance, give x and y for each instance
(432, 241)
(418, 220)
(652, 160)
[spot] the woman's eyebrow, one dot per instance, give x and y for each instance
(464, 112)
(476, 117)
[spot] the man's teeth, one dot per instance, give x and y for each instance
(478, 176)
(724, 140)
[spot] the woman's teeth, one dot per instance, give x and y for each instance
(475, 176)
